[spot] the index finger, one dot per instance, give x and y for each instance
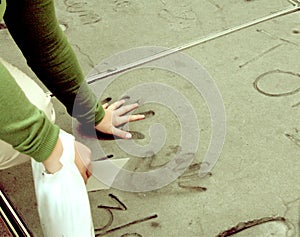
(116, 105)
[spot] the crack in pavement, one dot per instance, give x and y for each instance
(272, 36)
(90, 62)
(260, 55)
(288, 206)
(249, 224)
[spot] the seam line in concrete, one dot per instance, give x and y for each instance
(110, 72)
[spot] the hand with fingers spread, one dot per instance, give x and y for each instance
(116, 115)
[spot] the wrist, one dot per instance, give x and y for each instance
(52, 163)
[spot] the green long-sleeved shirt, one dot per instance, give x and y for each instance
(34, 28)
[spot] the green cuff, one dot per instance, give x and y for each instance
(42, 146)
(48, 143)
(99, 114)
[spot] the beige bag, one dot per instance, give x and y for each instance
(8, 156)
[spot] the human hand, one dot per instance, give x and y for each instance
(115, 116)
(83, 160)
(81, 157)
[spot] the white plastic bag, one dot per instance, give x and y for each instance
(62, 199)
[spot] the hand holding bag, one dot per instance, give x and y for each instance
(62, 199)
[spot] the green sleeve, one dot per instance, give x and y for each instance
(35, 29)
(2, 8)
(24, 126)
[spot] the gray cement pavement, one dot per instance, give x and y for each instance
(256, 70)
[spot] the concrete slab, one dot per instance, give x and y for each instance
(99, 29)
(256, 71)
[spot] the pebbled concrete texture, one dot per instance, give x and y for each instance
(256, 71)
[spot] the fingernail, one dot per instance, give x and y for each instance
(128, 136)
